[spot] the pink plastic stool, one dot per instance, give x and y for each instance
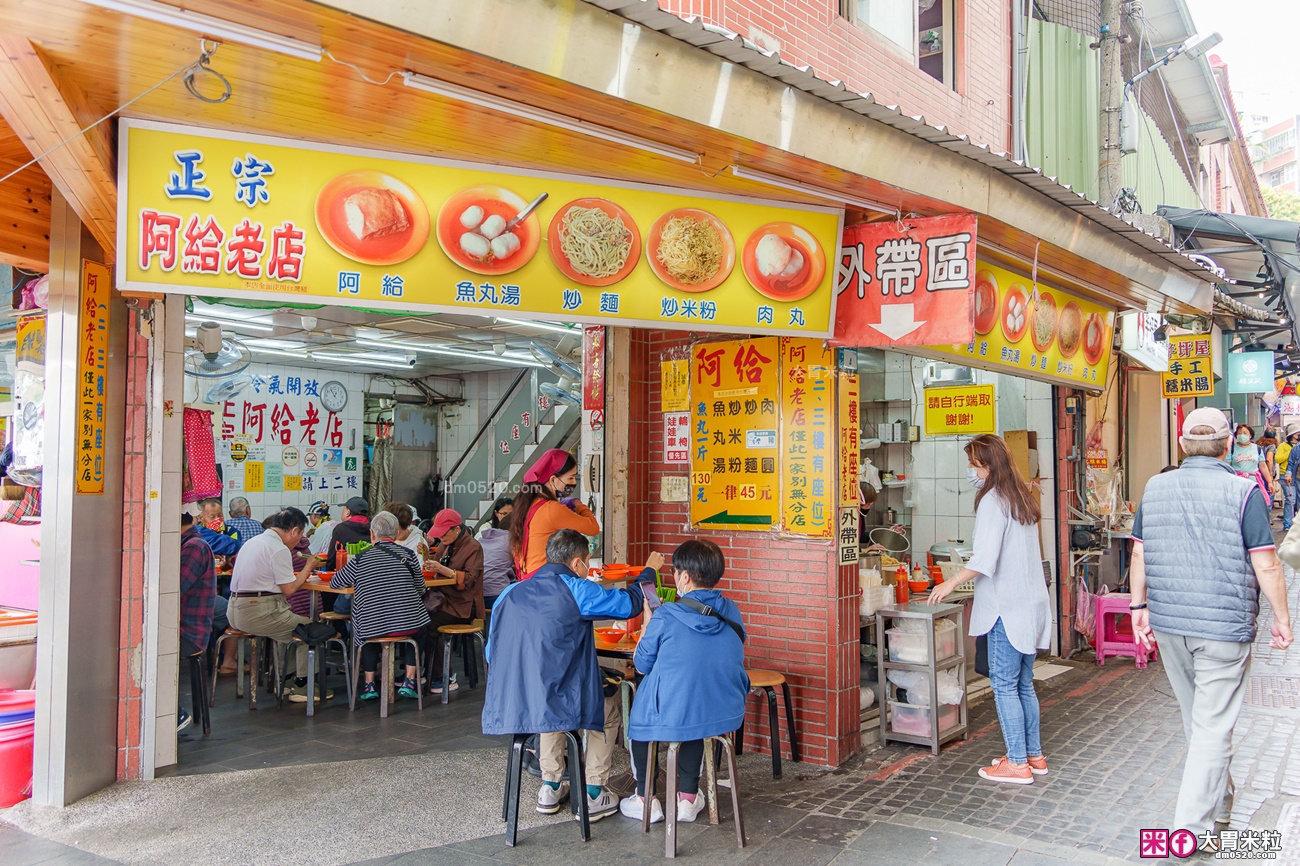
(1109, 641)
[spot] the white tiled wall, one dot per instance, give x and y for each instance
(943, 503)
(459, 424)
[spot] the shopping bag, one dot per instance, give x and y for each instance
(1085, 611)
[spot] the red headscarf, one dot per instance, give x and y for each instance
(546, 466)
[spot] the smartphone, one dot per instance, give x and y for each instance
(652, 600)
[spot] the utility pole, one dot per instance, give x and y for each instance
(1112, 99)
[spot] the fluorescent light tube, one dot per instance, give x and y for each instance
(541, 115)
(462, 354)
(207, 25)
(807, 189)
(365, 359)
(541, 326)
(230, 323)
(298, 356)
(275, 344)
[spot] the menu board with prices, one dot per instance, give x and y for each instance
(735, 390)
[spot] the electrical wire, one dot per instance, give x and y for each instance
(358, 71)
(200, 63)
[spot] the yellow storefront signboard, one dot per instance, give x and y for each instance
(968, 410)
(1191, 367)
(809, 438)
(202, 211)
(735, 391)
(1036, 331)
(92, 369)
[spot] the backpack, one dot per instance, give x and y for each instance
(1283, 454)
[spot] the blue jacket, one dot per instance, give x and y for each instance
(222, 545)
(542, 674)
(695, 682)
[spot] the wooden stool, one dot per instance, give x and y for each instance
(708, 787)
(767, 681)
(386, 695)
(474, 629)
(198, 690)
(577, 785)
(244, 643)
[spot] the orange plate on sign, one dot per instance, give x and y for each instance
(1046, 305)
(1094, 338)
(562, 261)
(655, 235)
(1017, 292)
(794, 288)
(494, 200)
(388, 250)
(985, 301)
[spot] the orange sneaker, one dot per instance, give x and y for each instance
(1037, 766)
(1007, 773)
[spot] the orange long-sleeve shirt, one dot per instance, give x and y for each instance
(549, 519)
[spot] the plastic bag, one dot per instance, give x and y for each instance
(1085, 615)
(869, 474)
(866, 697)
(910, 626)
(948, 687)
(918, 688)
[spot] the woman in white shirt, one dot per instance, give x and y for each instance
(1011, 603)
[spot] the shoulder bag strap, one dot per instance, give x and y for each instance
(700, 607)
(389, 553)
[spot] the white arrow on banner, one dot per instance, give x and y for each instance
(897, 320)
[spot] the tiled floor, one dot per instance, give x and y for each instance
(244, 739)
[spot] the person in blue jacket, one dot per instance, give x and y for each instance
(542, 672)
(693, 657)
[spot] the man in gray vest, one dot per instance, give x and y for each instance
(1204, 551)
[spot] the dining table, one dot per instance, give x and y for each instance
(317, 586)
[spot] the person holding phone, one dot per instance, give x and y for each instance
(692, 647)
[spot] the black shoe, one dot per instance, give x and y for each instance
(182, 720)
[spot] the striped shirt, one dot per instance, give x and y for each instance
(388, 591)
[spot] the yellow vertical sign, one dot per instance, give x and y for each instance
(674, 386)
(850, 444)
(1191, 367)
(808, 437)
(292, 483)
(734, 389)
(92, 378)
(254, 476)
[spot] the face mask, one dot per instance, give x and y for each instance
(973, 477)
(1243, 438)
(566, 491)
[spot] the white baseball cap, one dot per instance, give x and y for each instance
(1206, 416)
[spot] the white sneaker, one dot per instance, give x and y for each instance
(688, 811)
(634, 807)
(599, 807)
(549, 799)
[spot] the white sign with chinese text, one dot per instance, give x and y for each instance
(677, 437)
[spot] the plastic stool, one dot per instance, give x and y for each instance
(1109, 640)
(708, 787)
(766, 681)
(198, 690)
(577, 786)
(386, 695)
(466, 631)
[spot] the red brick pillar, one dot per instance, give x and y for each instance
(799, 607)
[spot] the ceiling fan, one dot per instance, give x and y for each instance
(568, 389)
(209, 354)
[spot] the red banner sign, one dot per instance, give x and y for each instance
(593, 367)
(906, 284)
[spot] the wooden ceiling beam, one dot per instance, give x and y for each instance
(45, 111)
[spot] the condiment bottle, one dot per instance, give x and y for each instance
(901, 593)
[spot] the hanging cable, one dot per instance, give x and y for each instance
(205, 55)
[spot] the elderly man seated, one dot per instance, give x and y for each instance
(261, 584)
(387, 601)
(543, 677)
(240, 523)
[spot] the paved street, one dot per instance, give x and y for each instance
(1112, 734)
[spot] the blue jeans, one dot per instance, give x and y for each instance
(1288, 502)
(1012, 675)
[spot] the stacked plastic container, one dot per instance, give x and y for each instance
(17, 732)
